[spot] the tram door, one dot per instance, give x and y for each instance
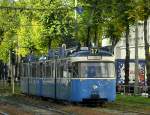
(62, 79)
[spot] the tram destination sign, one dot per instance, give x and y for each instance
(94, 57)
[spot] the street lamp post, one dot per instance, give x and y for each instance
(136, 61)
(75, 16)
(11, 72)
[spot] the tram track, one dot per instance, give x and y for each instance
(3, 113)
(58, 107)
(120, 112)
(135, 112)
(49, 109)
(52, 109)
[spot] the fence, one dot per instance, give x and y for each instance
(129, 89)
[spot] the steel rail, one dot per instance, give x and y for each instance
(49, 108)
(54, 109)
(136, 112)
(3, 113)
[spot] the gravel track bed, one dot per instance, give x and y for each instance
(50, 107)
(21, 107)
(8, 109)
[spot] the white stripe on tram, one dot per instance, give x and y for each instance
(66, 78)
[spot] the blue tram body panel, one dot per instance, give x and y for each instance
(24, 86)
(74, 90)
(63, 88)
(48, 88)
(84, 89)
(39, 87)
(72, 79)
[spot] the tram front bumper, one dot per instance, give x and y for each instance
(94, 99)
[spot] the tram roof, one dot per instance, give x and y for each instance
(88, 53)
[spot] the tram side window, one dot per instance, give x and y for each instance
(69, 69)
(33, 67)
(52, 70)
(75, 70)
(59, 70)
(65, 69)
(26, 71)
(22, 70)
(30, 70)
(62, 69)
(44, 69)
(49, 71)
(41, 70)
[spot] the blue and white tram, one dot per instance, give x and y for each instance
(78, 78)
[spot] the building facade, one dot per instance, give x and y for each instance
(120, 49)
(120, 54)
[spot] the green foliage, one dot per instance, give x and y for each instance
(57, 25)
(8, 25)
(130, 103)
(114, 31)
(37, 31)
(142, 9)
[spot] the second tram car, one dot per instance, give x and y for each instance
(80, 77)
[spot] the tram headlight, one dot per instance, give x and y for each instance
(94, 87)
(94, 92)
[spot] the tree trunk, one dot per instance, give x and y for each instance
(136, 70)
(95, 36)
(114, 42)
(49, 43)
(147, 56)
(127, 58)
(88, 37)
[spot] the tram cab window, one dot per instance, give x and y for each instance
(97, 70)
(75, 70)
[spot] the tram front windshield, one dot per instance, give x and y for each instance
(96, 70)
